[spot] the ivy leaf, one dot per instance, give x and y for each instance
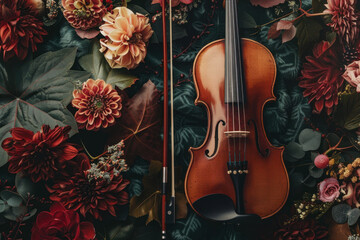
(149, 202)
(308, 33)
(140, 125)
(347, 114)
(40, 96)
(96, 64)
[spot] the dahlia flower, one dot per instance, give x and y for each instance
(19, 28)
(98, 103)
(39, 155)
(126, 35)
(352, 74)
(322, 76)
(83, 14)
(61, 223)
(344, 19)
(91, 195)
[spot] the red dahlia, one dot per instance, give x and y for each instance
(19, 28)
(90, 194)
(60, 223)
(322, 76)
(304, 229)
(98, 103)
(39, 155)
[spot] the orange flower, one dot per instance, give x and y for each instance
(126, 37)
(98, 103)
(83, 14)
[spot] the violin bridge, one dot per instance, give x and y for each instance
(237, 134)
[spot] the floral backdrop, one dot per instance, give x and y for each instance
(81, 116)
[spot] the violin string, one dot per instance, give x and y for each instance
(233, 68)
(242, 92)
(227, 82)
(238, 77)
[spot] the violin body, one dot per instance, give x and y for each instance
(266, 185)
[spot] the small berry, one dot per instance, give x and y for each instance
(321, 161)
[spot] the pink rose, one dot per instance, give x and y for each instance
(352, 74)
(352, 194)
(329, 190)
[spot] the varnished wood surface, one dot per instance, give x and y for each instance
(267, 184)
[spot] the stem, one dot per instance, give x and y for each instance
(87, 152)
(274, 20)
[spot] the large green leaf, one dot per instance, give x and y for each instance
(100, 69)
(347, 114)
(40, 96)
(307, 33)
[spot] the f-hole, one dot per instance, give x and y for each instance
(264, 152)
(216, 140)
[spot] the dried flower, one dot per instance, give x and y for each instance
(84, 14)
(126, 35)
(39, 155)
(344, 19)
(98, 103)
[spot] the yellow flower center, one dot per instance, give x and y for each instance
(83, 8)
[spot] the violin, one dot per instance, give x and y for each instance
(236, 175)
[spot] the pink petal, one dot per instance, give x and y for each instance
(88, 34)
(266, 3)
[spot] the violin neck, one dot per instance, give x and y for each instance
(234, 92)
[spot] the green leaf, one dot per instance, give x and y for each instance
(24, 185)
(121, 231)
(11, 198)
(2, 206)
(347, 114)
(353, 216)
(307, 33)
(293, 152)
(42, 95)
(340, 213)
(96, 64)
(309, 139)
(246, 20)
(315, 172)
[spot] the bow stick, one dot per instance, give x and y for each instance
(167, 210)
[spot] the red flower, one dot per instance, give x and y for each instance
(301, 230)
(98, 103)
(60, 223)
(322, 76)
(83, 14)
(39, 155)
(91, 194)
(19, 28)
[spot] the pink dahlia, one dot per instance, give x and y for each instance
(344, 19)
(19, 28)
(98, 103)
(39, 155)
(83, 14)
(91, 194)
(322, 76)
(126, 35)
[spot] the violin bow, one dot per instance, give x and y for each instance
(167, 210)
